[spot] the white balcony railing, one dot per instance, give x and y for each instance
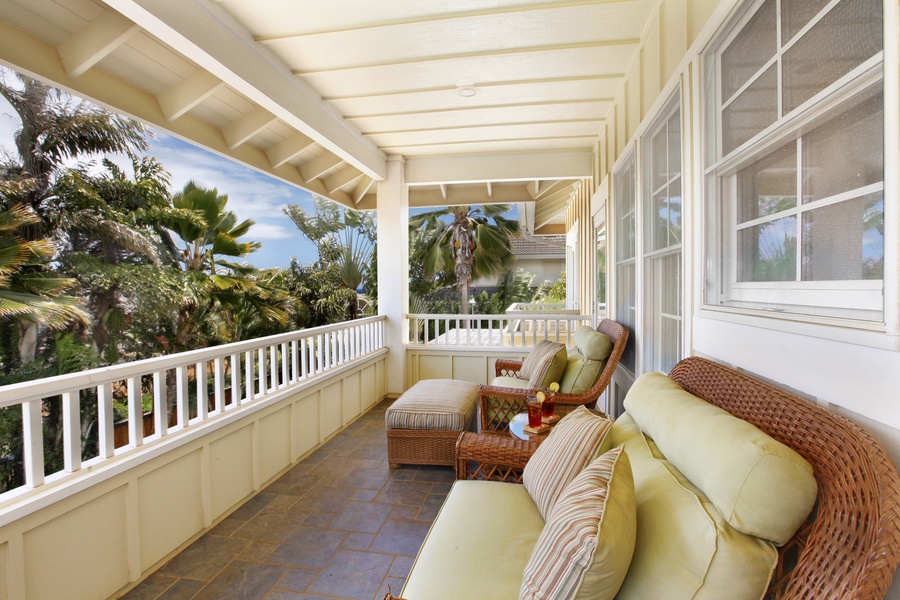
(493, 331)
(542, 307)
(202, 384)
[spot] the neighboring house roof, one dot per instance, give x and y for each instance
(553, 247)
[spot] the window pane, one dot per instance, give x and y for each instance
(658, 160)
(675, 144)
(844, 241)
(751, 112)
(846, 153)
(625, 313)
(768, 252)
(675, 212)
(624, 199)
(768, 186)
(796, 14)
(849, 34)
(658, 220)
(663, 335)
(749, 51)
(601, 268)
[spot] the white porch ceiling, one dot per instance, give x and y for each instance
(319, 93)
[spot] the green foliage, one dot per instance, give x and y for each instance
(552, 292)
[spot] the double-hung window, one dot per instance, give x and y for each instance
(794, 118)
(624, 198)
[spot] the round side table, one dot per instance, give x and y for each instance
(517, 428)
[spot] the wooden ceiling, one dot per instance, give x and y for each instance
(318, 94)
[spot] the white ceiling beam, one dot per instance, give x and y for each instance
(480, 54)
(534, 187)
(490, 191)
(206, 34)
(563, 194)
(549, 187)
(240, 130)
(188, 93)
(466, 196)
(362, 188)
(319, 166)
(443, 191)
(501, 166)
(93, 42)
(547, 210)
(341, 178)
(37, 58)
(288, 148)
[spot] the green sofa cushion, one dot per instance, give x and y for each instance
(685, 550)
(511, 382)
(761, 487)
(479, 544)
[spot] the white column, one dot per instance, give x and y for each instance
(393, 268)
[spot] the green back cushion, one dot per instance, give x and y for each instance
(581, 374)
(759, 485)
(592, 344)
(685, 550)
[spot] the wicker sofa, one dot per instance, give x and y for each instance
(849, 547)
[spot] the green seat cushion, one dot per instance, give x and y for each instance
(592, 344)
(685, 550)
(585, 548)
(761, 486)
(479, 544)
(510, 382)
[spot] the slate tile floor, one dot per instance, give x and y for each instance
(339, 525)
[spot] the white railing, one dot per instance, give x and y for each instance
(493, 331)
(550, 307)
(206, 384)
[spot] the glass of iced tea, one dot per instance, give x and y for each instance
(535, 412)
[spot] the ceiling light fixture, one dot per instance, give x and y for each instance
(466, 91)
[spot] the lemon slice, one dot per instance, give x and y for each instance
(540, 396)
(554, 387)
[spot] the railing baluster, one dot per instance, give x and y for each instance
(285, 361)
(273, 367)
(295, 361)
(160, 404)
(303, 357)
(219, 380)
(135, 413)
(202, 391)
(235, 380)
(71, 408)
(249, 378)
(261, 369)
(183, 397)
(33, 443)
(105, 421)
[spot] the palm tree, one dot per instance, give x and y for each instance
(345, 236)
(28, 292)
(54, 129)
(210, 236)
(475, 243)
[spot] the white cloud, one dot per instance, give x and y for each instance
(270, 231)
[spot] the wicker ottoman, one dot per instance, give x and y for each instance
(424, 423)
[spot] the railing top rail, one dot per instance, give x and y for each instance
(555, 315)
(14, 394)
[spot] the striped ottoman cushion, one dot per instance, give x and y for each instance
(437, 404)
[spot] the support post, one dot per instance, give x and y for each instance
(393, 269)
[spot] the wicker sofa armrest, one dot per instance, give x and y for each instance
(507, 367)
(492, 456)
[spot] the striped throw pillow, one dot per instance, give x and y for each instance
(585, 549)
(575, 441)
(535, 366)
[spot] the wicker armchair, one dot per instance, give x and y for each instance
(498, 405)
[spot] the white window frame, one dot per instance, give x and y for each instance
(651, 306)
(859, 302)
(627, 167)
